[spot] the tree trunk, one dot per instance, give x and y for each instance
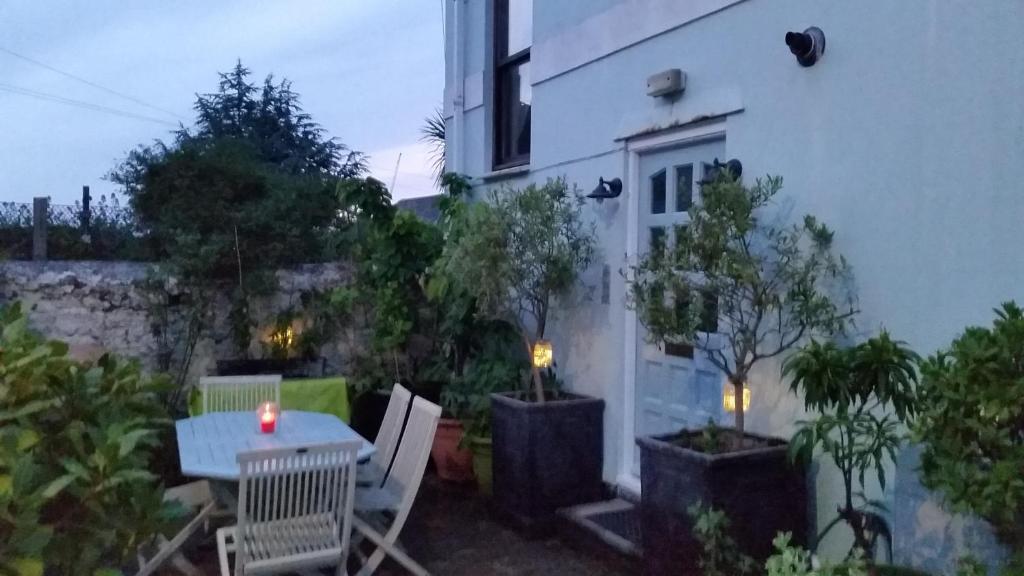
(538, 384)
(738, 382)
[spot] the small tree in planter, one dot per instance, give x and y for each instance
(768, 285)
(863, 394)
(520, 252)
(515, 255)
(741, 289)
(971, 424)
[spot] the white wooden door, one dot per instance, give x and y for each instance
(675, 386)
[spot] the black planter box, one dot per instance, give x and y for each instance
(546, 456)
(760, 491)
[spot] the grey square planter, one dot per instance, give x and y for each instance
(546, 456)
(759, 489)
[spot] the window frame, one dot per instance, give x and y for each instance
(501, 65)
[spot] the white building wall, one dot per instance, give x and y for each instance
(907, 139)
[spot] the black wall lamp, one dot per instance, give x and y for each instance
(808, 46)
(606, 189)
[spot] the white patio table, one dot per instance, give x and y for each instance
(208, 445)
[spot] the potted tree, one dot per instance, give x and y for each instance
(517, 254)
(741, 289)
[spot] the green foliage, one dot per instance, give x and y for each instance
(433, 134)
(77, 442)
(720, 555)
(769, 285)
(970, 566)
(252, 188)
(493, 363)
(394, 249)
(518, 252)
(863, 394)
(794, 561)
(971, 425)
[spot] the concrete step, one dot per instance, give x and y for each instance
(610, 528)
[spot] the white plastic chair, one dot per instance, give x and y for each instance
(239, 393)
(374, 471)
(294, 510)
(195, 496)
(395, 499)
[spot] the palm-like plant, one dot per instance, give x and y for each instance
(863, 394)
(433, 134)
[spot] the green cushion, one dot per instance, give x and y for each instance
(327, 395)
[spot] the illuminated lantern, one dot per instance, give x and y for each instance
(267, 413)
(543, 354)
(729, 397)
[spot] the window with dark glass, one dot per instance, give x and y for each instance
(513, 34)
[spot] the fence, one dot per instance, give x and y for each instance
(83, 231)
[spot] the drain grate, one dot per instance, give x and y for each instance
(623, 523)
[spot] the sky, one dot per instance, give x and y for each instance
(369, 71)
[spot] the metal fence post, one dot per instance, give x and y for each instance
(40, 218)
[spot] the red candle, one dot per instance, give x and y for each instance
(268, 417)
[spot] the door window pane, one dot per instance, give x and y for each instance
(658, 193)
(658, 242)
(514, 99)
(684, 187)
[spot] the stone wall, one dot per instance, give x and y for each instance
(98, 306)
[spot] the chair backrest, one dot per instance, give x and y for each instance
(391, 427)
(295, 503)
(413, 454)
(239, 393)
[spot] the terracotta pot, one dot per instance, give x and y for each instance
(453, 464)
(483, 458)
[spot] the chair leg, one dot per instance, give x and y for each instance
(385, 547)
(223, 547)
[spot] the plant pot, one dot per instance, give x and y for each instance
(760, 491)
(368, 412)
(483, 463)
(453, 463)
(546, 456)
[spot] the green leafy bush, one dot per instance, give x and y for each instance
(863, 394)
(971, 425)
(720, 555)
(794, 561)
(77, 442)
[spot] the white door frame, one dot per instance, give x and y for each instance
(634, 149)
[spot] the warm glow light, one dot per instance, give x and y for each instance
(729, 397)
(543, 354)
(268, 417)
(283, 338)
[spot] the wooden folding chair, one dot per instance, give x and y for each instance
(373, 472)
(239, 393)
(294, 510)
(195, 496)
(390, 504)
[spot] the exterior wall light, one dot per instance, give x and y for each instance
(808, 46)
(543, 354)
(606, 189)
(729, 397)
(283, 339)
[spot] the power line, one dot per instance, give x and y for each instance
(80, 104)
(90, 83)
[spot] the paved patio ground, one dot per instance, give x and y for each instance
(451, 532)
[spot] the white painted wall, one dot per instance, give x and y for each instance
(907, 139)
